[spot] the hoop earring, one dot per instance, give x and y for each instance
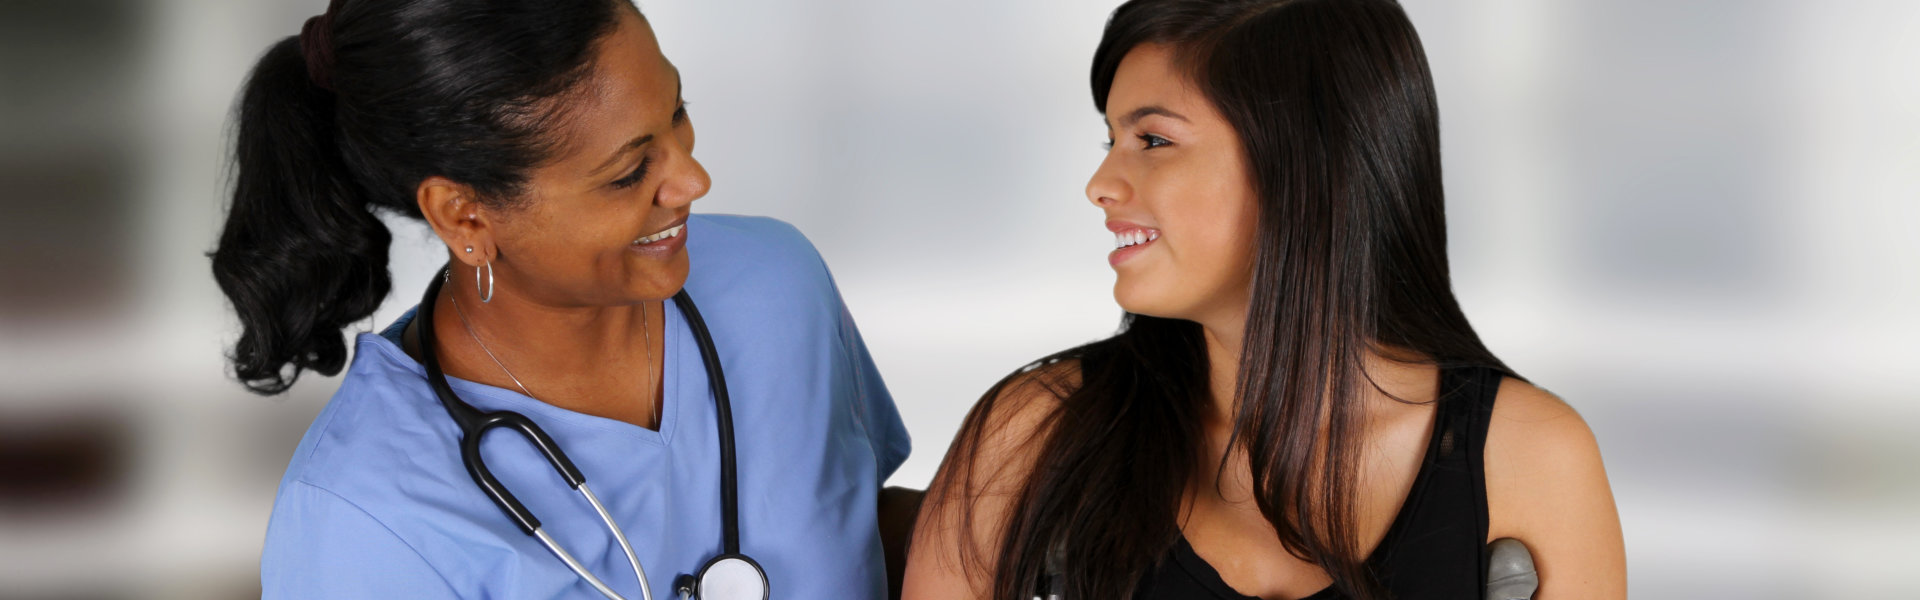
(486, 295)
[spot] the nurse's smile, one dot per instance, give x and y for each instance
(664, 244)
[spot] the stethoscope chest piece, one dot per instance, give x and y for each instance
(726, 577)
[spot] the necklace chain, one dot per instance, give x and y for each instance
(645, 328)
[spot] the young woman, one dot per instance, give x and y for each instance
(1295, 406)
(547, 145)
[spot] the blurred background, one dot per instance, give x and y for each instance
(1696, 220)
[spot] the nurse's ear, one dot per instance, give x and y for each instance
(456, 215)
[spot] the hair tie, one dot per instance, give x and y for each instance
(316, 44)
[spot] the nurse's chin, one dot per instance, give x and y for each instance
(650, 278)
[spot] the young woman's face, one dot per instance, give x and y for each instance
(1175, 191)
(602, 223)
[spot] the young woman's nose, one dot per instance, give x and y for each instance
(1106, 188)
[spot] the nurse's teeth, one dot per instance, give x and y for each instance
(669, 233)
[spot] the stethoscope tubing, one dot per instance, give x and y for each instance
(717, 383)
(474, 424)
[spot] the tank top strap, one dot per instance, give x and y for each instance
(1437, 544)
(1466, 408)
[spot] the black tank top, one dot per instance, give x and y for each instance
(1436, 547)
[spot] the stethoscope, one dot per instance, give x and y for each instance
(729, 576)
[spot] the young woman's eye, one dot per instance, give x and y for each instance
(639, 173)
(1153, 141)
(680, 114)
(1107, 145)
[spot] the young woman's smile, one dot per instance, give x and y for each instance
(1129, 239)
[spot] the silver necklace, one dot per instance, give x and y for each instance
(645, 329)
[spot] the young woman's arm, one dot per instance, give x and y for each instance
(963, 519)
(1546, 487)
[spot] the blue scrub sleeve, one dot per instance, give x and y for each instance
(885, 431)
(878, 414)
(319, 545)
(873, 405)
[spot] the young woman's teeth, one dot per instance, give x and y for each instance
(1134, 238)
(670, 232)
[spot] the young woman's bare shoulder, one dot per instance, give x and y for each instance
(1547, 487)
(1018, 414)
(961, 524)
(1536, 445)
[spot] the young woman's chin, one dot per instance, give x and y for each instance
(1200, 299)
(1143, 295)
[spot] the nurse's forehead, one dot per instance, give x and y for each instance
(628, 121)
(631, 91)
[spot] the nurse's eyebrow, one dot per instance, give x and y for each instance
(1145, 111)
(629, 147)
(679, 86)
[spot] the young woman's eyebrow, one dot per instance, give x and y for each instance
(1143, 112)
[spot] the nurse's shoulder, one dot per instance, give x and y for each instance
(382, 424)
(754, 259)
(371, 456)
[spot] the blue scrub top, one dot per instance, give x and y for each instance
(376, 503)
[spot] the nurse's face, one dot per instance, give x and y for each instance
(602, 223)
(1175, 191)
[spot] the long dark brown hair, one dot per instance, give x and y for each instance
(1335, 110)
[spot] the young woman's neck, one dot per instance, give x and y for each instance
(1401, 374)
(1224, 338)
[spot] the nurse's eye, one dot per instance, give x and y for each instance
(639, 174)
(1153, 141)
(1107, 145)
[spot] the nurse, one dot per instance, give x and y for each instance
(546, 143)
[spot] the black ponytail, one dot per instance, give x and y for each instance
(462, 89)
(301, 256)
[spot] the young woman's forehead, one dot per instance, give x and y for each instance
(1150, 75)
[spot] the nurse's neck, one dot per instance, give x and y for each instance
(600, 361)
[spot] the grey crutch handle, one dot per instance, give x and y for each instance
(1510, 574)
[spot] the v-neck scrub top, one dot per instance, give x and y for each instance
(376, 502)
